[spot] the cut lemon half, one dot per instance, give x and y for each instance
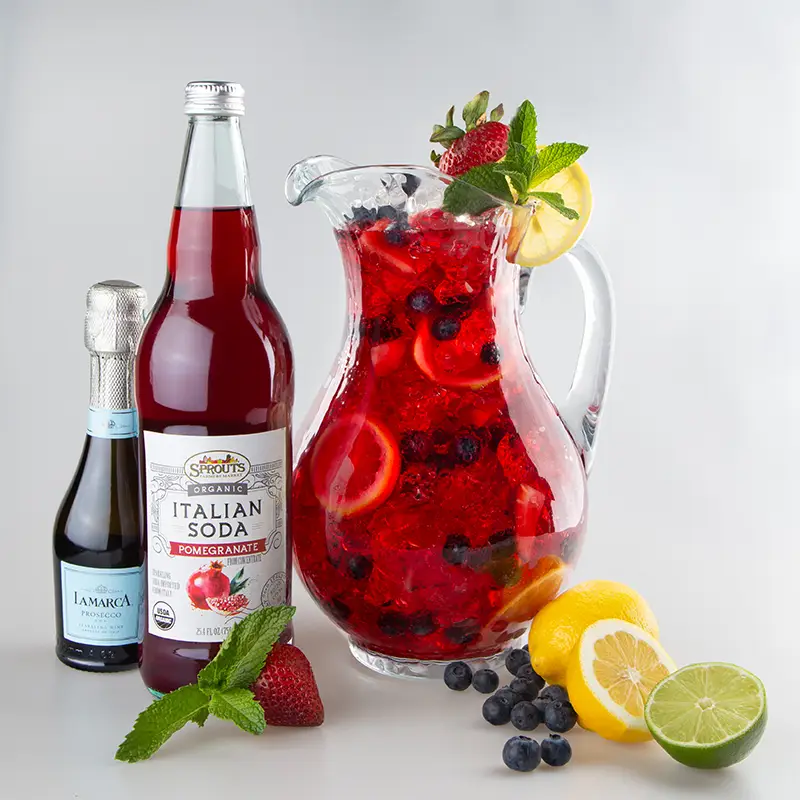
(611, 673)
(543, 235)
(708, 715)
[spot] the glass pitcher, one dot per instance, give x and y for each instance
(439, 496)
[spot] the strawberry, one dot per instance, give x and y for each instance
(483, 142)
(286, 689)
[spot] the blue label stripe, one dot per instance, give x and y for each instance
(105, 423)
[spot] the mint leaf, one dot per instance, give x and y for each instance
(242, 655)
(443, 135)
(522, 128)
(475, 109)
(556, 201)
(160, 720)
(553, 158)
(240, 707)
(518, 179)
(461, 197)
(200, 717)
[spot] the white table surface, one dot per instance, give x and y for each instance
(383, 738)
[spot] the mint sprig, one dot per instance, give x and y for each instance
(222, 689)
(515, 178)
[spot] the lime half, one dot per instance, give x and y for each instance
(708, 715)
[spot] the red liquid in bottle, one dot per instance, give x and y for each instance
(214, 361)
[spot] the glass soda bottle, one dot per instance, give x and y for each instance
(214, 389)
(96, 543)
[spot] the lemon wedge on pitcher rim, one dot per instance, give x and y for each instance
(539, 233)
(610, 675)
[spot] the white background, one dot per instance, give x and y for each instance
(692, 112)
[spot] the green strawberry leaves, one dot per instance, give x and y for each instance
(515, 178)
(222, 688)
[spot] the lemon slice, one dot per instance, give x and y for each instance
(540, 585)
(610, 675)
(549, 234)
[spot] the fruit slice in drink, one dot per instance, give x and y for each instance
(354, 466)
(708, 715)
(540, 583)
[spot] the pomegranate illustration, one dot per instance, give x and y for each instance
(207, 582)
(232, 604)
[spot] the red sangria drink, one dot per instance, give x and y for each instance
(439, 500)
(214, 389)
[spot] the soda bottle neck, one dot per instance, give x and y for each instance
(213, 247)
(214, 169)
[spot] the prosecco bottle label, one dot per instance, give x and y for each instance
(216, 531)
(101, 606)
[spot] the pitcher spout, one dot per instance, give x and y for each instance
(306, 172)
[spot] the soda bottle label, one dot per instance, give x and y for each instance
(216, 531)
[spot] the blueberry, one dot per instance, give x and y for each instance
(379, 330)
(456, 549)
(421, 623)
(560, 717)
(486, 681)
(556, 750)
(411, 185)
(504, 545)
(393, 623)
(527, 672)
(386, 212)
(466, 448)
(421, 300)
(458, 676)
(495, 711)
(416, 446)
(526, 648)
(554, 694)
(525, 689)
(521, 753)
(515, 659)
(463, 632)
(362, 216)
(525, 716)
(541, 705)
(395, 234)
(359, 567)
(445, 328)
(507, 696)
(490, 354)
(340, 609)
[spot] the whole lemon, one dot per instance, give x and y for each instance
(557, 628)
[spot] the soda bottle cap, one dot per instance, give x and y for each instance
(115, 312)
(214, 98)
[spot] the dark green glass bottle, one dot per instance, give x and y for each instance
(96, 539)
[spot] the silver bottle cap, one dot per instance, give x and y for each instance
(115, 312)
(214, 98)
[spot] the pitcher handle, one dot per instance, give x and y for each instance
(583, 405)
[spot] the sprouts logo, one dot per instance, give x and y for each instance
(217, 472)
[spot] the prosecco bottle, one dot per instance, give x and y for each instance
(214, 389)
(96, 541)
